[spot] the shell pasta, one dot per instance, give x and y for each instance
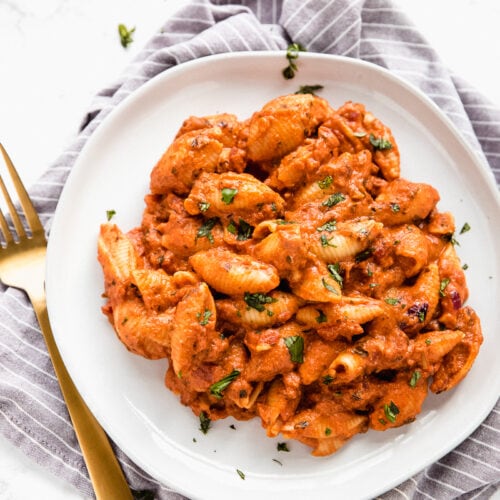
(286, 271)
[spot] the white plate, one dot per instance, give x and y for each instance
(126, 392)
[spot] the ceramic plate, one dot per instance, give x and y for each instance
(127, 393)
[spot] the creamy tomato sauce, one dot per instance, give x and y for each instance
(287, 272)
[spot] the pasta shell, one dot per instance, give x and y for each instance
(234, 274)
(143, 333)
(116, 254)
(347, 241)
(281, 308)
(347, 366)
(431, 347)
(195, 317)
(157, 289)
(457, 363)
(282, 125)
(185, 158)
(236, 195)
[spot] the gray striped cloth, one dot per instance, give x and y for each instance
(32, 411)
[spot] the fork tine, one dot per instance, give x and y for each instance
(24, 199)
(12, 209)
(4, 227)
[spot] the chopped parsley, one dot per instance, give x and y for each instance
(334, 270)
(243, 230)
(217, 387)
(325, 242)
(282, 447)
(309, 89)
(328, 431)
(329, 226)
(204, 422)
(392, 301)
(204, 318)
(419, 310)
(395, 207)
(110, 214)
(327, 379)
(391, 411)
(205, 229)
(326, 182)
(203, 206)
(125, 35)
(295, 346)
(240, 473)
(442, 286)
(333, 200)
(228, 194)
(329, 287)
(365, 254)
(258, 300)
(321, 318)
(415, 377)
(292, 54)
(465, 228)
(380, 143)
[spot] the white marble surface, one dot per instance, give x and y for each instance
(55, 54)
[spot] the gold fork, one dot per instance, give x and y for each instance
(22, 265)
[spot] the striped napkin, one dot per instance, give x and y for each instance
(32, 412)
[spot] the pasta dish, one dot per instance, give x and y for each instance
(286, 271)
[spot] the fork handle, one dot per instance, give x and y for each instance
(105, 473)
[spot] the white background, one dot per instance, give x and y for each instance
(56, 54)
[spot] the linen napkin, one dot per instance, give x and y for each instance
(32, 412)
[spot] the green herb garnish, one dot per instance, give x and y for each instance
(334, 270)
(205, 229)
(292, 54)
(295, 345)
(391, 411)
(442, 286)
(204, 422)
(380, 143)
(465, 228)
(309, 89)
(240, 473)
(228, 194)
(329, 287)
(325, 242)
(243, 230)
(257, 300)
(125, 35)
(395, 207)
(415, 377)
(333, 200)
(282, 447)
(365, 254)
(203, 206)
(321, 318)
(217, 388)
(204, 318)
(392, 301)
(329, 226)
(110, 214)
(326, 182)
